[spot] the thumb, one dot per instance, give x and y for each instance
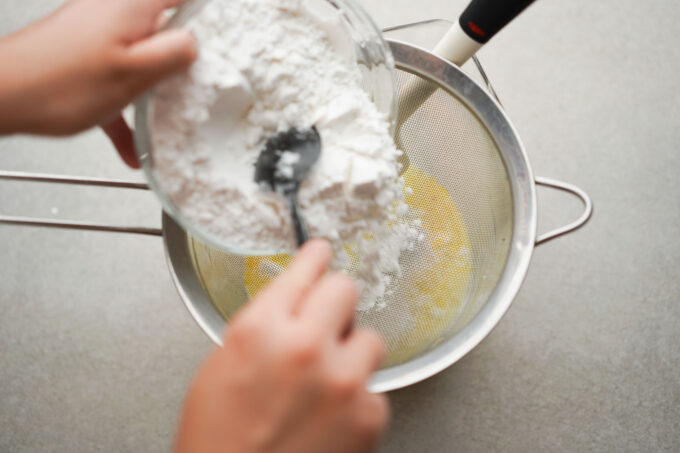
(160, 56)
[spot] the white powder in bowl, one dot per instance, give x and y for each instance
(265, 66)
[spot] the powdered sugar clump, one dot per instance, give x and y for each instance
(285, 167)
(266, 66)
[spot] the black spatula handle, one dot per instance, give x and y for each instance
(482, 19)
(299, 226)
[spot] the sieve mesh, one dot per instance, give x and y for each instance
(462, 196)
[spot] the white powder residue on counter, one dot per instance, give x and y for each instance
(265, 66)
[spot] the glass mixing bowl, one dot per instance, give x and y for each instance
(375, 61)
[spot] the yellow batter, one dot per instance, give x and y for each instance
(434, 289)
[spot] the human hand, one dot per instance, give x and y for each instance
(291, 376)
(80, 66)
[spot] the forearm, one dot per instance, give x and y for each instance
(45, 69)
(15, 80)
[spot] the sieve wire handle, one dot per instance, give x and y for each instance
(72, 224)
(576, 224)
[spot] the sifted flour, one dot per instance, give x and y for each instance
(265, 66)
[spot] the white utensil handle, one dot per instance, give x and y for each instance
(480, 22)
(456, 46)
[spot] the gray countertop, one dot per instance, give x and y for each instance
(96, 349)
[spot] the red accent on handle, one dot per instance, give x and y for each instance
(482, 19)
(475, 29)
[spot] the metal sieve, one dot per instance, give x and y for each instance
(470, 184)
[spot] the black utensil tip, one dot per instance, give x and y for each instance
(307, 145)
